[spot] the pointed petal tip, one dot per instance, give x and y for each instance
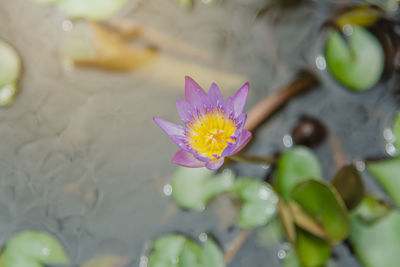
(187, 159)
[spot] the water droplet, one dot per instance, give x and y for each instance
(265, 166)
(347, 29)
(391, 149)
(287, 141)
(143, 261)
(203, 237)
(46, 251)
(320, 62)
(388, 135)
(167, 189)
(264, 193)
(282, 254)
(67, 25)
(360, 165)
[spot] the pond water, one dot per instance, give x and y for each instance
(82, 158)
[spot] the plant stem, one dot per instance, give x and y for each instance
(253, 159)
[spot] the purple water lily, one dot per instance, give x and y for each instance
(214, 126)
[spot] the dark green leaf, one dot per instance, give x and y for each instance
(311, 250)
(296, 165)
(321, 201)
(349, 185)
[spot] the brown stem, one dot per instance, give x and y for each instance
(235, 245)
(339, 156)
(255, 117)
(271, 103)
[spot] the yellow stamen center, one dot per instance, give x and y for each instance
(210, 134)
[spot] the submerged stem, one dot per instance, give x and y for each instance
(253, 159)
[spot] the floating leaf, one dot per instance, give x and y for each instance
(296, 165)
(378, 244)
(372, 209)
(10, 64)
(15, 260)
(321, 201)
(192, 188)
(186, 3)
(35, 247)
(291, 260)
(107, 261)
(358, 62)
(90, 9)
(312, 251)
(349, 185)
(362, 15)
(388, 175)
(258, 202)
(287, 220)
(179, 251)
(396, 130)
(104, 50)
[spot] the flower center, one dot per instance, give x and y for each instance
(210, 134)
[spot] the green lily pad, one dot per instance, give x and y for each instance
(36, 247)
(378, 244)
(387, 173)
(296, 165)
(321, 201)
(349, 185)
(259, 202)
(357, 63)
(192, 188)
(176, 250)
(396, 131)
(10, 64)
(91, 9)
(312, 251)
(291, 260)
(372, 209)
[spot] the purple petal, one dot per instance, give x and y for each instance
(215, 164)
(239, 99)
(229, 149)
(215, 96)
(175, 132)
(196, 96)
(243, 140)
(185, 110)
(228, 107)
(187, 159)
(169, 127)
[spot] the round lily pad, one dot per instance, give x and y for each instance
(377, 244)
(321, 201)
(259, 202)
(91, 9)
(387, 173)
(356, 59)
(34, 247)
(176, 250)
(192, 188)
(296, 165)
(10, 64)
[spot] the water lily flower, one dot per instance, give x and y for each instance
(214, 126)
